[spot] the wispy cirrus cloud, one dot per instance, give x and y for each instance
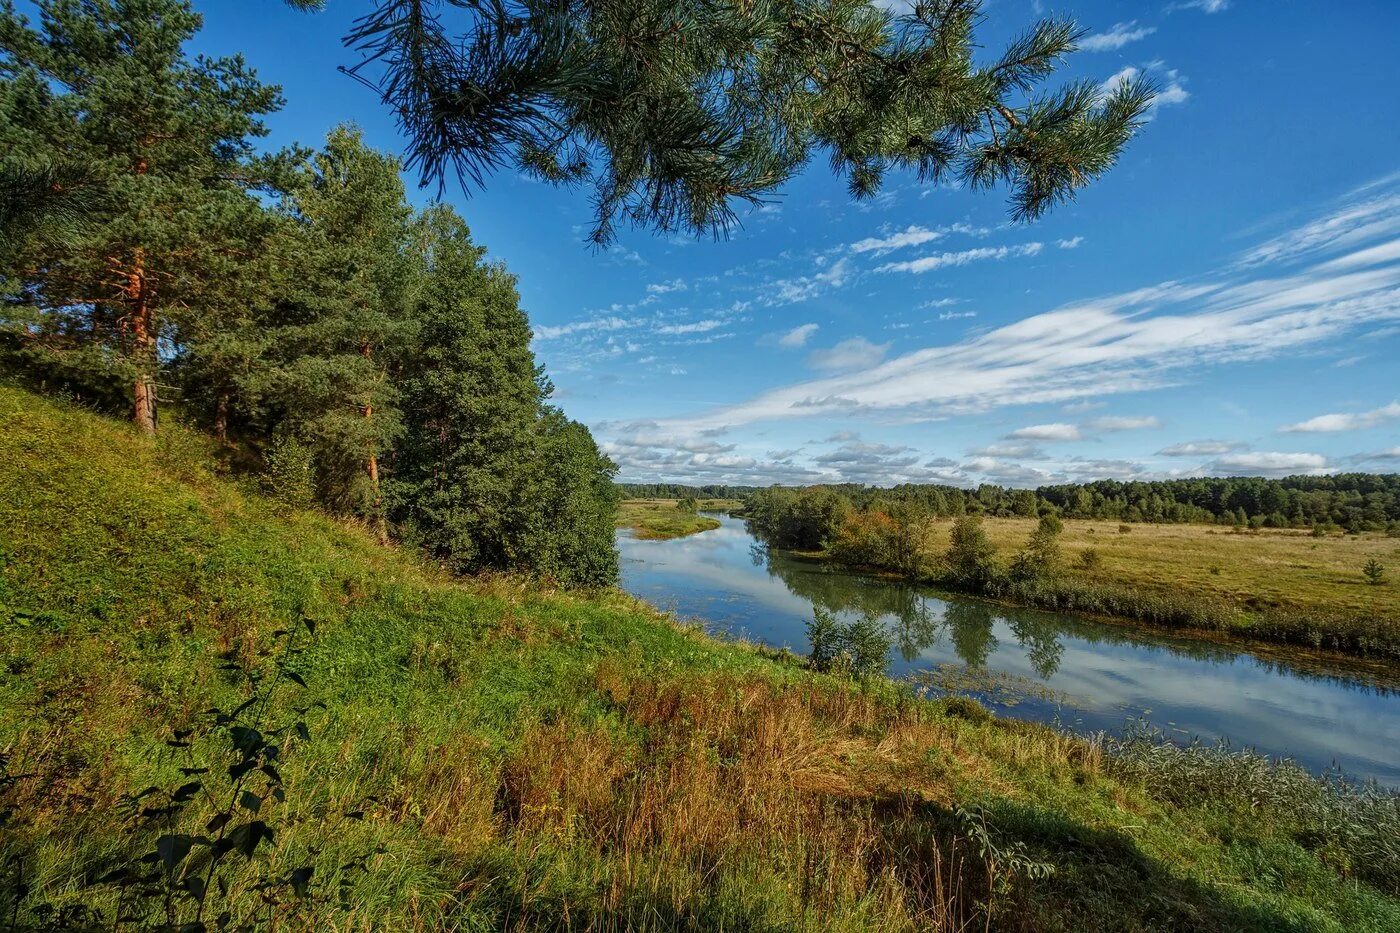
(1344, 421)
(854, 353)
(961, 258)
(798, 336)
(1112, 39)
(1125, 342)
(913, 236)
(1201, 448)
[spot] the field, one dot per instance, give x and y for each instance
(503, 756)
(1270, 569)
(659, 519)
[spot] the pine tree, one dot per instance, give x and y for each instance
(342, 319)
(676, 110)
(106, 85)
(470, 403)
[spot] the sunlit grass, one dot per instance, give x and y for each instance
(528, 757)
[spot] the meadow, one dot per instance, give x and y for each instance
(660, 519)
(490, 753)
(1281, 569)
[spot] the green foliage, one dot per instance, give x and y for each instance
(805, 519)
(290, 476)
(676, 111)
(1090, 560)
(535, 758)
(688, 505)
(971, 559)
(369, 358)
(1041, 556)
(859, 648)
(164, 143)
(1373, 572)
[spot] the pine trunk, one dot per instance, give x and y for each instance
(381, 527)
(143, 345)
(221, 417)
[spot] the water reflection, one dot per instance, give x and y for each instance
(1108, 673)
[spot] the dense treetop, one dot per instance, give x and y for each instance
(674, 111)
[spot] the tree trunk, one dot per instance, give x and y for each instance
(377, 521)
(221, 416)
(143, 345)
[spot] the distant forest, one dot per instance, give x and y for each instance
(1353, 501)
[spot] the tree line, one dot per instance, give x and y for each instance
(1354, 502)
(357, 353)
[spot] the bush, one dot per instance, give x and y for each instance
(1374, 572)
(971, 558)
(1124, 529)
(1090, 560)
(291, 474)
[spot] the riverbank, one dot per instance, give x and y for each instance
(1275, 587)
(510, 756)
(661, 520)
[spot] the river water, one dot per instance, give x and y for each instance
(1050, 667)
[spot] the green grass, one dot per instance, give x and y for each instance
(528, 757)
(659, 519)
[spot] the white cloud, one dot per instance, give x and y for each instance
(962, 258)
(1058, 431)
(1082, 353)
(854, 353)
(695, 327)
(1390, 453)
(1270, 463)
(913, 236)
(1002, 449)
(798, 336)
(1125, 424)
(1170, 85)
(955, 315)
(1353, 421)
(1356, 222)
(1071, 243)
(595, 324)
(1200, 448)
(1205, 6)
(1117, 37)
(664, 288)
(801, 288)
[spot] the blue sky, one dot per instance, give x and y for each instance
(1227, 301)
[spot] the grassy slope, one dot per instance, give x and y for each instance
(541, 758)
(659, 519)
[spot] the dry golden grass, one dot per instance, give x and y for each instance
(659, 519)
(1272, 568)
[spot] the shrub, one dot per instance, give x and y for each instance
(1374, 572)
(971, 558)
(1124, 529)
(1090, 560)
(688, 505)
(290, 477)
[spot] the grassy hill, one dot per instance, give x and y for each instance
(501, 755)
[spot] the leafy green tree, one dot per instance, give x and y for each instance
(342, 317)
(688, 505)
(470, 403)
(1041, 556)
(971, 557)
(676, 110)
(566, 507)
(106, 85)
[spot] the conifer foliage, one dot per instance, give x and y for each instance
(677, 110)
(359, 355)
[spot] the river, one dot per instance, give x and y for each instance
(1077, 672)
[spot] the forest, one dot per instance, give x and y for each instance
(343, 348)
(1352, 502)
